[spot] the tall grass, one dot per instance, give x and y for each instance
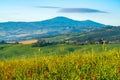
(73, 66)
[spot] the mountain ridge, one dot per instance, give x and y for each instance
(55, 18)
(57, 25)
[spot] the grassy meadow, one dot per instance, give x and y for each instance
(60, 62)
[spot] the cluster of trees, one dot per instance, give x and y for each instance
(41, 43)
(2, 42)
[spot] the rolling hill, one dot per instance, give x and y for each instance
(110, 33)
(107, 33)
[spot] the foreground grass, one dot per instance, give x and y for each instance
(19, 50)
(74, 66)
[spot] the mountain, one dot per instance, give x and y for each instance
(50, 27)
(66, 22)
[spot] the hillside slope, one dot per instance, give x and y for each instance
(108, 33)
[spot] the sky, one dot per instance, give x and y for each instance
(103, 11)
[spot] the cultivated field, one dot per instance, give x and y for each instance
(28, 41)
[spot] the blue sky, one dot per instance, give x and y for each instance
(103, 11)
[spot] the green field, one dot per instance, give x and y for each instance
(60, 62)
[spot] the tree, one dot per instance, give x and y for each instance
(39, 43)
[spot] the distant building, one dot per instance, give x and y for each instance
(97, 42)
(114, 42)
(101, 41)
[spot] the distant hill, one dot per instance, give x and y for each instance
(110, 33)
(50, 27)
(107, 33)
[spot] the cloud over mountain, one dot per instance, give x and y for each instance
(81, 10)
(73, 10)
